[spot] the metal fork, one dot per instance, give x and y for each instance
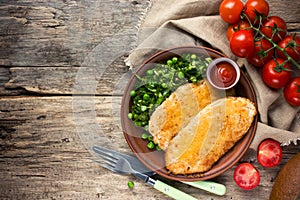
(121, 165)
(209, 186)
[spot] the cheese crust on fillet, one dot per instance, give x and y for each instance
(209, 135)
(177, 110)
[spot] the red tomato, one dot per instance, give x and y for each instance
(291, 43)
(262, 53)
(241, 25)
(274, 74)
(274, 27)
(256, 6)
(292, 91)
(246, 176)
(269, 153)
(230, 10)
(242, 43)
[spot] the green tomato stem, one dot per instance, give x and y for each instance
(257, 31)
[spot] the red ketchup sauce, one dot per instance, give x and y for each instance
(224, 74)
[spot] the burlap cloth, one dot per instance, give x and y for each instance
(171, 23)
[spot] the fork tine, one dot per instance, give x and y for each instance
(107, 166)
(102, 150)
(105, 154)
(108, 159)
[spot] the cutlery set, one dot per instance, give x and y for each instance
(125, 164)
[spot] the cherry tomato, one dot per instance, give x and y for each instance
(241, 25)
(291, 43)
(269, 153)
(246, 176)
(262, 53)
(230, 10)
(274, 27)
(256, 6)
(292, 91)
(274, 74)
(242, 43)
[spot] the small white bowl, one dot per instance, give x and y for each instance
(211, 70)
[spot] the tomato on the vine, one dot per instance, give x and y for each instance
(242, 43)
(292, 91)
(276, 73)
(252, 7)
(274, 27)
(230, 10)
(263, 52)
(291, 44)
(269, 153)
(241, 25)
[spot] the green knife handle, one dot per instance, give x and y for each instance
(209, 186)
(171, 191)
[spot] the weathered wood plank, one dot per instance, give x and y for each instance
(64, 33)
(66, 80)
(43, 157)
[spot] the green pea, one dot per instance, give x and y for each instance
(193, 79)
(137, 123)
(135, 116)
(169, 62)
(130, 184)
(174, 59)
(151, 145)
(143, 108)
(150, 72)
(130, 115)
(149, 137)
(132, 93)
(180, 75)
(146, 127)
(193, 56)
(146, 96)
(144, 136)
(158, 148)
(164, 85)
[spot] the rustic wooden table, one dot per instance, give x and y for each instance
(49, 63)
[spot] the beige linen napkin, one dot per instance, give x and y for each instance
(170, 23)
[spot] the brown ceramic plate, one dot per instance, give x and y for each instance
(154, 160)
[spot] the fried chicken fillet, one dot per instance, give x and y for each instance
(209, 135)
